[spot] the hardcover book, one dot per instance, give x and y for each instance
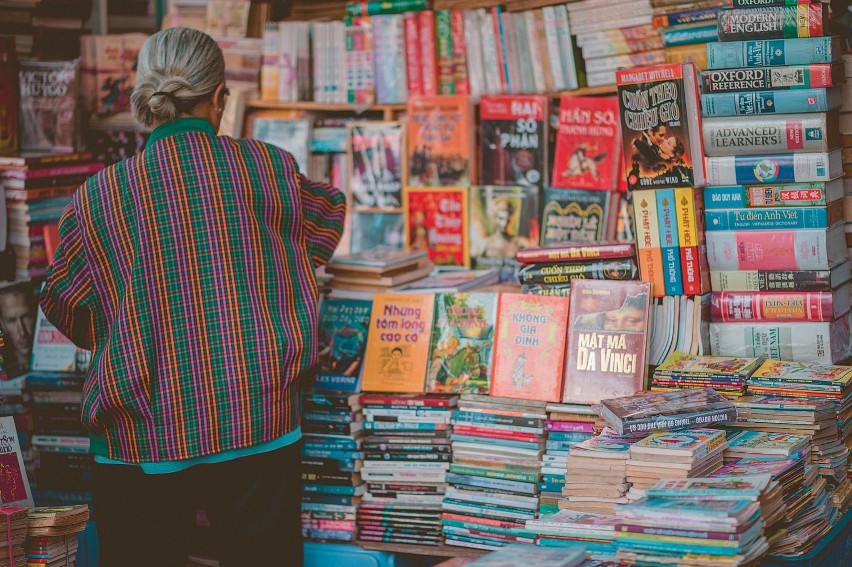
(48, 103)
(770, 102)
(513, 138)
(774, 22)
(774, 218)
(462, 342)
(530, 330)
(439, 141)
(343, 327)
(575, 215)
(678, 409)
(781, 280)
(772, 52)
(785, 77)
(774, 168)
(588, 143)
(607, 340)
(810, 194)
(376, 164)
(398, 343)
(661, 126)
(436, 222)
(771, 134)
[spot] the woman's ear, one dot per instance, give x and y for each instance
(217, 105)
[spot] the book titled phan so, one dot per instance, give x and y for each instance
(343, 328)
(607, 340)
(376, 164)
(462, 342)
(398, 343)
(661, 126)
(440, 144)
(531, 335)
(588, 144)
(513, 140)
(436, 223)
(503, 220)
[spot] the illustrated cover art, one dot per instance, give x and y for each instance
(49, 117)
(288, 134)
(373, 230)
(574, 215)
(398, 343)
(654, 125)
(513, 140)
(684, 364)
(462, 342)
(766, 442)
(436, 222)
(691, 440)
(343, 328)
(746, 486)
(108, 71)
(804, 372)
(748, 466)
(588, 143)
(531, 335)
(51, 350)
(375, 161)
(503, 220)
(439, 141)
(14, 487)
(607, 340)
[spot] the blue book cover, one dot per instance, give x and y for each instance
(691, 35)
(669, 242)
(333, 489)
(772, 52)
(774, 168)
(575, 436)
(343, 326)
(494, 442)
(326, 454)
(762, 219)
(770, 102)
(335, 444)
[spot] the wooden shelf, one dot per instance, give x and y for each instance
(428, 550)
(322, 107)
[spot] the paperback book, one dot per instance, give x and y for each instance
(436, 222)
(513, 138)
(343, 327)
(49, 117)
(376, 164)
(439, 141)
(576, 215)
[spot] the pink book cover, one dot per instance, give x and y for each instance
(607, 340)
(413, 63)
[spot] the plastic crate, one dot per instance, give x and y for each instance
(328, 554)
(835, 549)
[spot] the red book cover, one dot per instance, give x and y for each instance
(413, 62)
(513, 140)
(607, 340)
(428, 52)
(436, 221)
(588, 144)
(496, 433)
(772, 306)
(459, 52)
(51, 240)
(56, 171)
(9, 92)
(567, 252)
(531, 335)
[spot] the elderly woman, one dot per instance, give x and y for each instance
(188, 271)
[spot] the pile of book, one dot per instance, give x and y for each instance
(549, 270)
(37, 190)
(407, 454)
(726, 375)
(52, 534)
(686, 27)
(842, 70)
(523, 554)
(362, 275)
(494, 476)
(567, 528)
(774, 219)
(13, 522)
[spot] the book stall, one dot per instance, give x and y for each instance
(592, 301)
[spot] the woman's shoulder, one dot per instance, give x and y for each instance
(253, 149)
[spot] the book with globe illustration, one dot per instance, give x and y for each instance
(531, 334)
(462, 343)
(694, 443)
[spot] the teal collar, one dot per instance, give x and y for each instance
(181, 126)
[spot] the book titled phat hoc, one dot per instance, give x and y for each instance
(607, 340)
(588, 147)
(514, 140)
(678, 409)
(661, 126)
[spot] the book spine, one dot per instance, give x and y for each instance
(702, 419)
(686, 17)
(688, 239)
(379, 7)
(788, 77)
(446, 66)
(672, 532)
(460, 73)
(379, 400)
(566, 47)
(729, 306)
(773, 219)
(781, 195)
(633, 33)
(775, 250)
(624, 269)
(776, 168)
(428, 52)
(413, 62)
(689, 36)
(776, 280)
(535, 52)
(269, 62)
(768, 102)
(773, 134)
(669, 241)
(556, 68)
(62, 171)
(498, 419)
(605, 64)
(572, 253)
(648, 240)
(774, 22)
(771, 52)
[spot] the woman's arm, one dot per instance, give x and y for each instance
(324, 208)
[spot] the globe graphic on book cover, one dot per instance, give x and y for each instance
(766, 170)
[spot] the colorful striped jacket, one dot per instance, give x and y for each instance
(188, 270)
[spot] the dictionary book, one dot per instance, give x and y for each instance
(782, 77)
(818, 132)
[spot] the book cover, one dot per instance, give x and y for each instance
(676, 409)
(774, 218)
(736, 487)
(531, 332)
(785, 77)
(660, 126)
(588, 143)
(51, 350)
(607, 340)
(770, 134)
(788, 167)
(754, 466)
(805, 372)
(513, 140)
(108, 71)
(462, 343)
(371, 230)
(693, 442)
(574, 215)
(9, 94)
(290, 135)
(761, 442)
(14, 486)
(48, 106)
(773, 22)
(343, 327)
(812, 194)
(398, 343)
(772, 52)
(436, 222)
(439, 141)
(376, 164)
(824, 343)
(761, 103)
(683, 364)
(503, 221)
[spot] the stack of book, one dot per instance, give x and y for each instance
(52, 534)
(687, 453)
(686, 27)
(774, 167)
(765, 444)
(844, 71)
(18, 406)
(13, 522)
(362, 275)
(549, 270)
(596, 473)
(566, 528)
(520, 554)
(726, 375)
(567, 425)
(407, 454)
(497, 449)
(37, 190)
(813, 383)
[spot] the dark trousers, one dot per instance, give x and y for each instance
(252, 504)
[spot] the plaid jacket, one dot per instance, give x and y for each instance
(188, 270)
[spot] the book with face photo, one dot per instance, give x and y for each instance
(376, 164)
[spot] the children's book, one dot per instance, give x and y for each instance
(726, 487)
(765, 443)
(694, 443)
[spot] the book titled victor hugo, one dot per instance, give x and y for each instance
(49, 118)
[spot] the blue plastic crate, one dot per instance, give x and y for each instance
(327, 554)
(835, 549)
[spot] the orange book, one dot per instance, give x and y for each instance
(398, 343)
(531, 332)
(440, 141)
(436, 221)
